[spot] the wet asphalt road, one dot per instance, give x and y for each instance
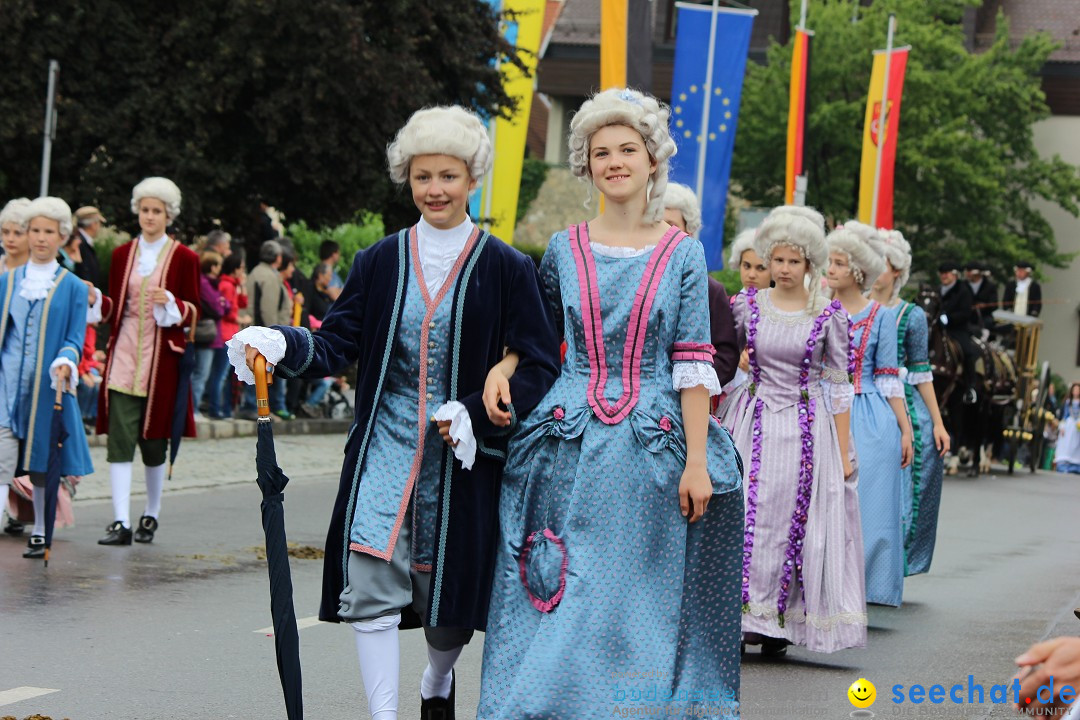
(168, 630)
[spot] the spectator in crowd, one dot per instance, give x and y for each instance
(985, 292)
(232, 288)
(208, 329)
(321, 297)
(330, 253)
(220, 242)
(88, 223)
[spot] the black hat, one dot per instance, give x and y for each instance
(1025, 264)
(974, 265)
(948, 266)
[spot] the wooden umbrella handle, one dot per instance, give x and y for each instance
(262, 381)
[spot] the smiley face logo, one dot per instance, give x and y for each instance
(862, 693)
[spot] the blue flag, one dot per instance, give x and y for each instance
(690, 89)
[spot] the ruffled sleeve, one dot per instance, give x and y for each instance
(168, 314)
(268, 341)
(461, 431)
(692, 353)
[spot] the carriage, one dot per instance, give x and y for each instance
(1011, 389)
(1026, 423)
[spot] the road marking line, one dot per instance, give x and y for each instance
(301, 624)
(7, 697)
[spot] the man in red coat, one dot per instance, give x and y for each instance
(153, 295)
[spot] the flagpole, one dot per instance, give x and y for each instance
(883, 121)
(700, 190)
(50, 127)
(799, 195)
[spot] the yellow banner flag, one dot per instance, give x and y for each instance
(500, 193)
(885, 131)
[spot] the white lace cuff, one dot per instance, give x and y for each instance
(741, 378)
(93, 310)
(889, 386)
(73, 379)
(269, 342)
(691, 374)
(461, 431)
(918, 378)
(838, 397)
(168, 314)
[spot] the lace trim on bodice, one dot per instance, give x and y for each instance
(790, 318)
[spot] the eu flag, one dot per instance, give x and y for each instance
(705, 108)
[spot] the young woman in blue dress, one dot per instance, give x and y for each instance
(879, 420)
(617, 572)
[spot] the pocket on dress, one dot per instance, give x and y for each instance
(543, 564)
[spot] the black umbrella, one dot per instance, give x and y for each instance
(57, 435)
(183, 398)
(272, 482)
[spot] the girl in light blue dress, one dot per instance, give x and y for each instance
(921, 480)
(616, 586)
(879, 420)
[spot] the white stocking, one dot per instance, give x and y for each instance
(379, 651)
(39, 511)
(120, 477)
(439, 673)
(155, 484)
(4, 500)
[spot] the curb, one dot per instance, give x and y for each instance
(216, 429)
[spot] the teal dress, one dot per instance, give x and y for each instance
(604, 597)
(922, 479)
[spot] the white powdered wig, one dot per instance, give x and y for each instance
(14, 212)
(680, 197)
(743, 241)
(898, 253)
(639, 112)
(802, 228)
(159, 188)
(49, 207)
(864, 248)
(443, 130)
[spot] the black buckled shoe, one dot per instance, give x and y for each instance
(35, 548)
(439, 708)
(13, 526)
(116, 534)
(144, 531)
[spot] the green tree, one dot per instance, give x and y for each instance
(293, 101)
(967, 171)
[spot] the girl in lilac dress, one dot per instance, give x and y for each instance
(920, 482)
(802, 579)
(616, 581)
(879, 420)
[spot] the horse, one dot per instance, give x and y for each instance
(976, 428)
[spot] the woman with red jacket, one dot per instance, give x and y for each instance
(231, 287)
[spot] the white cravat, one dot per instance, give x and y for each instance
(148, 254)
(439, 250)
(39, 280)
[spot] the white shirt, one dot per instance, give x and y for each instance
(148, 254)
(439, 250)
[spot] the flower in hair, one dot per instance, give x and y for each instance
(628, 95)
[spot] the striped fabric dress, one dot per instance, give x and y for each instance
(803, 558)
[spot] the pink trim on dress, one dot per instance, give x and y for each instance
(589, 289)
(860, 353)
(544, 606)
